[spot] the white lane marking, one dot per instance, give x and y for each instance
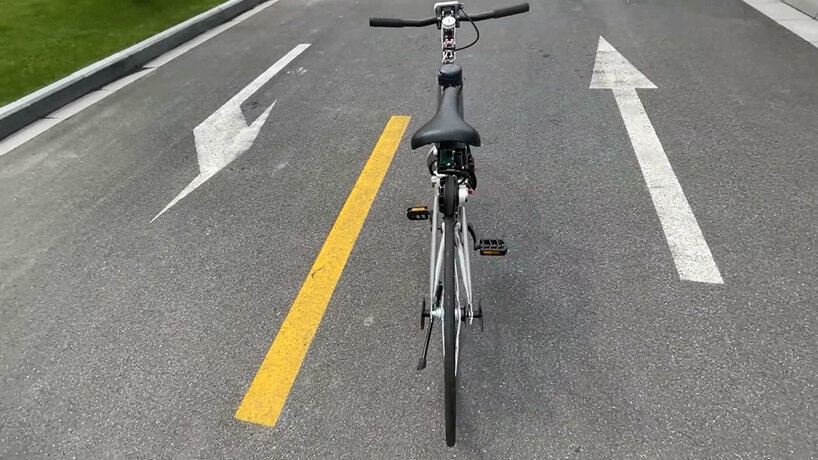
(225, 135)
(788, 17)
(184, 48)
(804, 28)
(74, 107)
(692, 256)
(24, 135)
(125, 81)
(612, 70)
(779, 11)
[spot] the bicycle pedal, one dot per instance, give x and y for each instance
(418, 213)
(492, 247)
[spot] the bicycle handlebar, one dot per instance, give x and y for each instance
(389, 22)
(495, 14)
(510, 11)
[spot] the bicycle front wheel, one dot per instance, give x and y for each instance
(449, 319)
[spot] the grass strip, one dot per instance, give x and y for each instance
(42, 41)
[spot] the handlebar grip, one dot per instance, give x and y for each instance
(511, 10)
(386, 22)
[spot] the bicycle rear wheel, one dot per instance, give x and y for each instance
(449, 306)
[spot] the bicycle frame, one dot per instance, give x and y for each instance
(463, 265)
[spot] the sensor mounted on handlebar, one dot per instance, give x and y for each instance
(443, 9)
(448, 14)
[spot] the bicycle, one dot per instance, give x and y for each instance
(451, 166)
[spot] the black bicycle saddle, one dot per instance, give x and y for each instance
(447, 125)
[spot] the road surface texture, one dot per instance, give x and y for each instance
(122, 337)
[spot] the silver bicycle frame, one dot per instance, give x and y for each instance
(462, 265)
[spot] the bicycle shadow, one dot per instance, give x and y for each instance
(532, 381)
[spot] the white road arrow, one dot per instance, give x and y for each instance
(692, 256)
(225, 135)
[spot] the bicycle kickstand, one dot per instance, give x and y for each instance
(422, 362)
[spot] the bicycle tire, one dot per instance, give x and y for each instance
(449, 317)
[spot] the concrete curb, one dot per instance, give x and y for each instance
(808, 7)
(42, 102)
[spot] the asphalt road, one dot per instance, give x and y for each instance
(125, 338)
